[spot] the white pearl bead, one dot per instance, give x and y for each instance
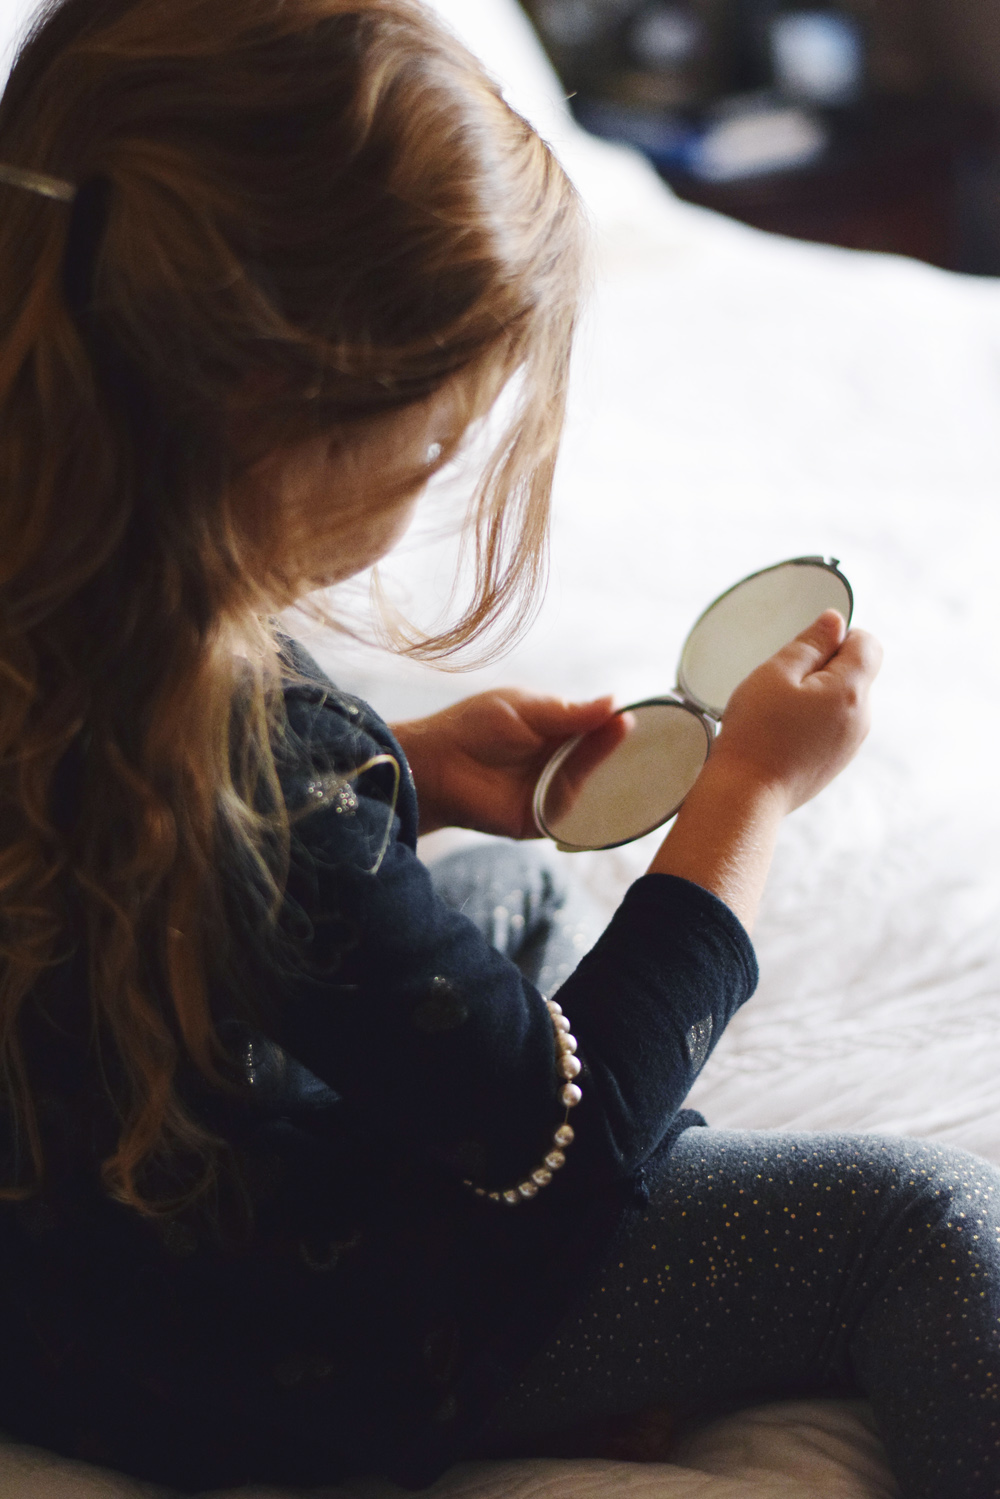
(568, 1066)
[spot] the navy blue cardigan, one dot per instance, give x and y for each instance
(371, 1310)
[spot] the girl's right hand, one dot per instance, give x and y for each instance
(788, 729)
(798, 720)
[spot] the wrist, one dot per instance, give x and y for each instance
(724, 835)
(728, 776)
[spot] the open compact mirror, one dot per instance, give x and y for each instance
(631, 775)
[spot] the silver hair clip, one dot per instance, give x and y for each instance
(38, 182)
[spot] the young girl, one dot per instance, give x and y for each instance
(302, 1177)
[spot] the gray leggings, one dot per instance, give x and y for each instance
(774, 1265)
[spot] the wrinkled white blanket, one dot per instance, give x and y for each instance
(740, 399)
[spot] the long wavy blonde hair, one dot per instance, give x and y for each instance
(295, 214)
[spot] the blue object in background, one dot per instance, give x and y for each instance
(747, 136)
(669, 140)
(818, 57)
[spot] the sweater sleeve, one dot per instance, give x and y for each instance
(430, 1037)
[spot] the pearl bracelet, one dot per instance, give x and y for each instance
(568, 1067)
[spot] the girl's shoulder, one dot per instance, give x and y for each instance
(336, 753)
(320, 711)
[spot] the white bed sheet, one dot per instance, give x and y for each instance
(739, 399)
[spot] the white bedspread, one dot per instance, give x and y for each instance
(740, 399)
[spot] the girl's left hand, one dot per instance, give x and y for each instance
(476, 764)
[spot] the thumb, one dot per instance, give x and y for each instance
(815, 646)
(553, 719)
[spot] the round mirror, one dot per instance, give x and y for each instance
(625, 779)
(748, 624)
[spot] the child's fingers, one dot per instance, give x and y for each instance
(859, 657)
(814, 647)
(553, 719)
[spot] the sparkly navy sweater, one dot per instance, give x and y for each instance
(371, 1309)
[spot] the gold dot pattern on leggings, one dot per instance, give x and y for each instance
(772, 1266)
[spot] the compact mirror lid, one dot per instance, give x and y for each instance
(625, 779)
(747, 624)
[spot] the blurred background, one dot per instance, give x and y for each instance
(873, 124)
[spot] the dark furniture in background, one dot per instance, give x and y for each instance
(908, 168)
(894, 180)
